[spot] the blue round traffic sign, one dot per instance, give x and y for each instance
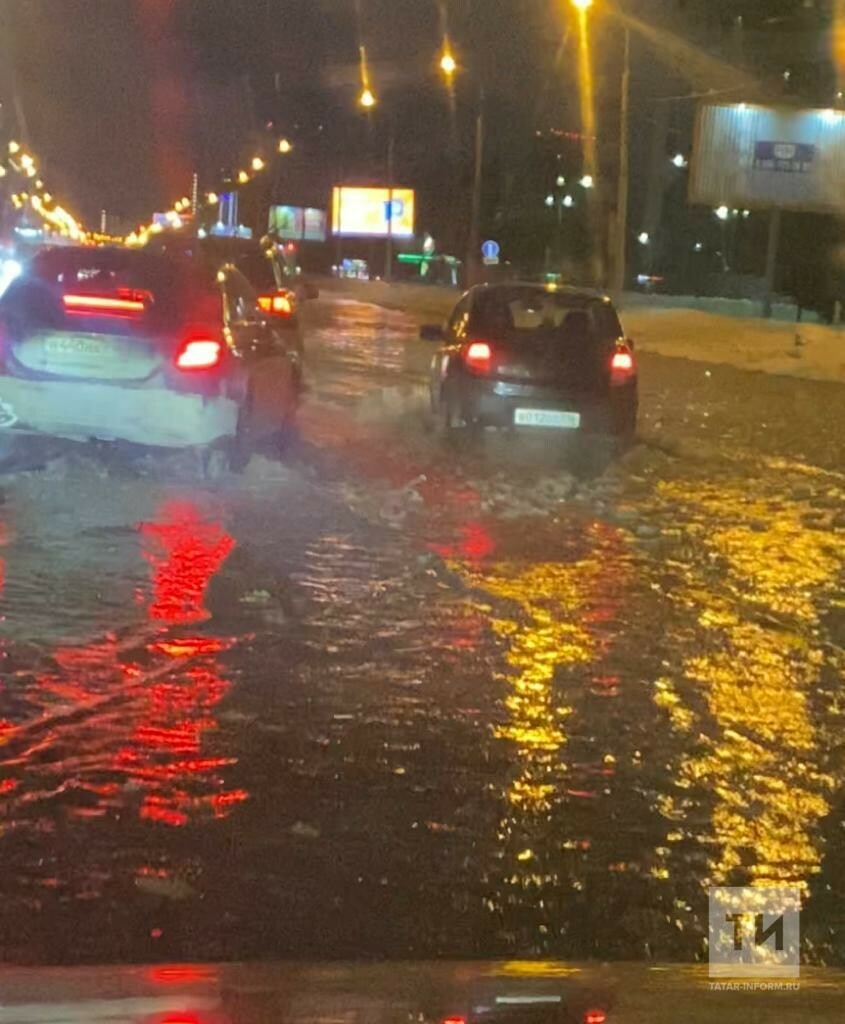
(490, 249)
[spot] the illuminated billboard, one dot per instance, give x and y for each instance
(768, 157)
(365, 211)
(298, 223)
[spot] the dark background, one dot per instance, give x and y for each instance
(122, 100)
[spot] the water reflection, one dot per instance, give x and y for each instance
(555, 620)
(120, 727)
(745, 700)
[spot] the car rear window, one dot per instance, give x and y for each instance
(109, 270)
(526, 313)
(171, 289)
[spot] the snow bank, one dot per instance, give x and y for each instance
(796, 350)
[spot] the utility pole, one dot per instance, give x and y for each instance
(771, 261)
(623, 185)
(388, 248)
(475, 214)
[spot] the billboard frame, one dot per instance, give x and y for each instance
(748, 203)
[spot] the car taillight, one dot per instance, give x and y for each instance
(477, 356)
(200, 354)
(280, 304)
(622, 365)
(125, 302)
(595, 1017)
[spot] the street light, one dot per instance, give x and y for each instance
(582, 5)
(587, 181)
(448, 64)
(367, 100)
(285, 146)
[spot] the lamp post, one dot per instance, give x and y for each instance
(623, 179)
(449, 67)
(367, 101)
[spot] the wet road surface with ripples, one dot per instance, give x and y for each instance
(392, 699)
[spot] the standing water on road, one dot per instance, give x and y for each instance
(403, 701)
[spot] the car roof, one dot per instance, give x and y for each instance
(573, 291)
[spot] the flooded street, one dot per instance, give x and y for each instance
(392, 698)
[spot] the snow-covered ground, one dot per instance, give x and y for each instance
(797, 350)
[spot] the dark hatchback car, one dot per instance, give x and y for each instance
(547, 358)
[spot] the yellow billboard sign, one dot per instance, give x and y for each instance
(357, 210)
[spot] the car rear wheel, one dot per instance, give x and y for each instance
(624, 423)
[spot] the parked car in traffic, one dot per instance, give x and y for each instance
(540, 357)
(145, 348)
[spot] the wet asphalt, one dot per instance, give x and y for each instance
(393, 698)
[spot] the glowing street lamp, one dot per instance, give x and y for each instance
(448, 64)
(367, 100)
(582, 5)
(285, 146)
(257, 164)
(587, 181)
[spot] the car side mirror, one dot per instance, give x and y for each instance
(431, 332)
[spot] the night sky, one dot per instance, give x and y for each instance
(124, 99)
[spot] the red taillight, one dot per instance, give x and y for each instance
(621, 365)
(279, 304)
(124, 303)
(454, 1020)
(200, 354)
(477, 356)
(595, 1017)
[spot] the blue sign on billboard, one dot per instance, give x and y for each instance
(791, 157)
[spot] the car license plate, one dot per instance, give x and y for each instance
(71, 345)
(547, 418)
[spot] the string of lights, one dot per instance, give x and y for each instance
(32, 194)
(174, 217)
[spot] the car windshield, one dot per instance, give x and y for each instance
(422, 511)
(257, 265)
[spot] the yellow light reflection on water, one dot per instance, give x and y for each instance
(545, 613)
(759, 662)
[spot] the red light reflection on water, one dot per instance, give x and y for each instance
(164, 754)
(476, 543)
(184, 552)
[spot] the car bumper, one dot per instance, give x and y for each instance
(83, 411)
(495, 404)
